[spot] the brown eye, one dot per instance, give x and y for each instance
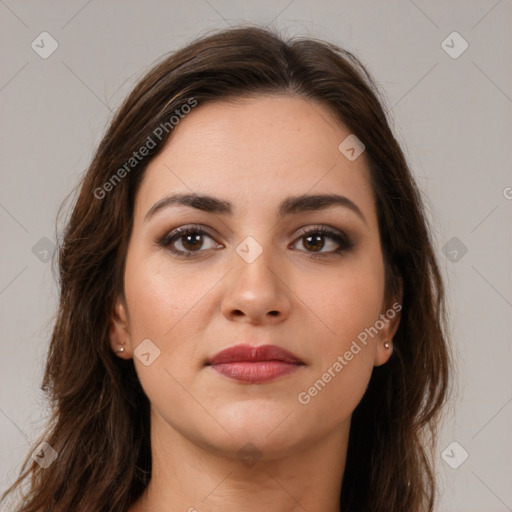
(314, 242)
(185, 241)
(317, 239)
(191, 242)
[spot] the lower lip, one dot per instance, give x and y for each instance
(255, 372)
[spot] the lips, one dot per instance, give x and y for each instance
(247, 353)
(246, 363)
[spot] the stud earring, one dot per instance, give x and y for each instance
(387, 344)
(120, 350)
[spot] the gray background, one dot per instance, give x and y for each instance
(452, 115)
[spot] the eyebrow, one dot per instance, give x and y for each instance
(290, 206)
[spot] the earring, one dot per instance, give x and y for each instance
(387, 344)
(120, 350)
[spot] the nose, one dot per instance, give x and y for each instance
(256, 292)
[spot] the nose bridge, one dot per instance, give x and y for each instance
(256, 289)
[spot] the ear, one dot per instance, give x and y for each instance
(119, 329)
(390, 316)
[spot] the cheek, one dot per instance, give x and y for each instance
(158, 299)
(348, 300)
(344, 351)
(167, 306)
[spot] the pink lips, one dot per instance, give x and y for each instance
(255, 364)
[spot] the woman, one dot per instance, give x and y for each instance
(251, 313)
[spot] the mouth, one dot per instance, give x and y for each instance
(255, 365)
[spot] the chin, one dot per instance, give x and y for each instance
(266, 425)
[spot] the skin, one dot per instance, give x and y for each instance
(254, 153)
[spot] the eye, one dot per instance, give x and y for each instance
(314, 241)
(187, 240)
(184, 241)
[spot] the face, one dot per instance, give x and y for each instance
(255, 266)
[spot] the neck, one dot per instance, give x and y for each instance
(189, 476)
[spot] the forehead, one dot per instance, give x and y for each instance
(256, 151)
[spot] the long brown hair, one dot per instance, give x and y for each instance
(100, 414)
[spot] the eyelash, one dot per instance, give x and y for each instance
(339, 237)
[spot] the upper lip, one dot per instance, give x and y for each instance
(248, 353)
